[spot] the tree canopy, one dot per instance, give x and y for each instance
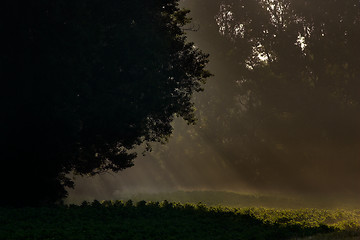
(85, 82)
(295, 103)
(282, 111)
(298, 85)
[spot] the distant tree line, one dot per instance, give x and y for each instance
(283, 109)
(298, 82)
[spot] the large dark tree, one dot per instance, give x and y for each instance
(83, 84)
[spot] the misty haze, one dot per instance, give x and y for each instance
(180, 119)
(280, 115)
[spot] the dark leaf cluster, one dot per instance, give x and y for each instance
(84, 83)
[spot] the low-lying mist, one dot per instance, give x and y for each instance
(280, 117)
(175, 172)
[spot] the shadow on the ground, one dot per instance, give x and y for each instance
(144, 221)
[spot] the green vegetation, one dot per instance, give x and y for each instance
(167, 220)
(235, 199)
(213, 198)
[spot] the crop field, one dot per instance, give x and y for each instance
(168, 220)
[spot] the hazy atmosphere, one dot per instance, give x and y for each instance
(180, 119)
(280, 115)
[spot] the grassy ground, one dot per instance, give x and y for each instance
(330, 236)
(166, 220)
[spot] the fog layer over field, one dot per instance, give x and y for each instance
(280, 118)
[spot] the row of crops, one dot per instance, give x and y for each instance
(166, 220)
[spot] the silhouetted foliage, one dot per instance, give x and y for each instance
(282, 112)
(296, 107)
(84, 83)
(298, 86)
